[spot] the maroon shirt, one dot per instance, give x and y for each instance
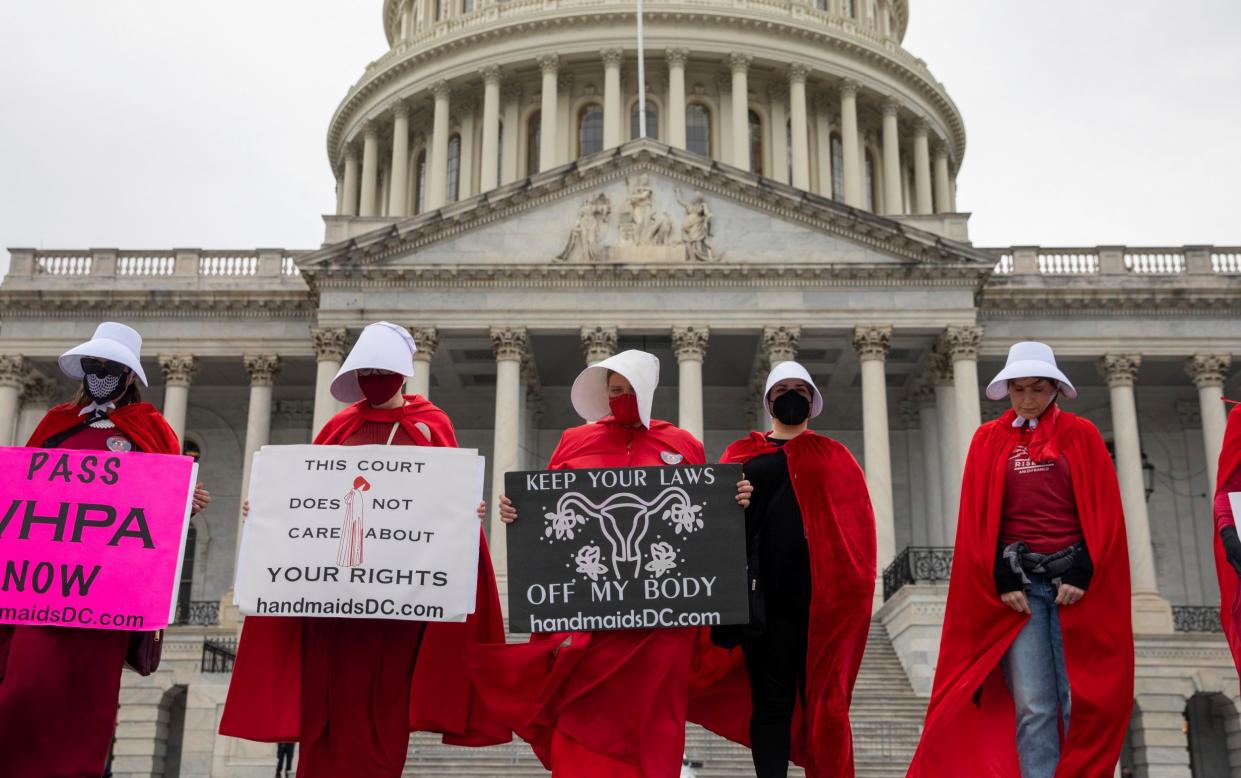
(1039, 506)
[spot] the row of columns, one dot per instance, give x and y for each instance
(932, 184)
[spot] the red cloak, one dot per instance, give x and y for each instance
(970, 725)
(264, 696)
(63, 679)
(1229, 602)
(840, 529)
(140, 422)
(613, 702)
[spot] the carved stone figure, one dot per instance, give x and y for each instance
(696, 229)
(648, 227)
(586, 236)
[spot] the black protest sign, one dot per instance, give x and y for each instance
(623, 548)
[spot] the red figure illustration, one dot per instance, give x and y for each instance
(352, 530)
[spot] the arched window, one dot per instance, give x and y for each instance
(871, 181)
(420, 182)
(454, 167)
(652, 121)
(533, 126)
(838, 168)
(590, 129)
(756, 144)
(698, 129)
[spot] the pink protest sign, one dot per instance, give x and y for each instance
(92, 539)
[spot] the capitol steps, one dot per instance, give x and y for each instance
(886, 714)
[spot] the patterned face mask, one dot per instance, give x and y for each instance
(102, 387)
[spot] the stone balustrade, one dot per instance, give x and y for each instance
(176, 266)
(1117, 261)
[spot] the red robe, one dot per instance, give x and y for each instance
(265, 695)
(55, 680)
(970, 725)
(1229, 602)
(840, 530)
(600, 704)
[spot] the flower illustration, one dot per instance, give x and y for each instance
(684, 517)
(562, 523)
(663, 559)
(588, 563)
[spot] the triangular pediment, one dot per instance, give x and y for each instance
(644, 203)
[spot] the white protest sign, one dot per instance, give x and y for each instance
(387, 532)
(1234, 502)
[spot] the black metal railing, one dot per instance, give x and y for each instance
(917, 565)
(1196, 618)
(198, 613)
(218, 655)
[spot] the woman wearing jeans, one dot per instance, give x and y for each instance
(1035, 672)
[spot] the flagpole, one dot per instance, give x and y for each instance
(641, 75)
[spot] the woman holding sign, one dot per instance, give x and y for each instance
(58, 680)
(1035, 672)
(601, 704)
(1227, 545)
(348, 690)
(810, 536)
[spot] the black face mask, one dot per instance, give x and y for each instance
(791, 408)
(104, 383)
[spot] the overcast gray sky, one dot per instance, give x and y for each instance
(164, 123)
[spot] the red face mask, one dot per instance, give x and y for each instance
(625, 409)
(379, 388)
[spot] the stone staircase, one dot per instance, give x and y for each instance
(887, 718)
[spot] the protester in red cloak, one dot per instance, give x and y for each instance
(601, 704)
(56, 680)
(1083, 638)
(350, 691)
(811, 546)
(1227, 545)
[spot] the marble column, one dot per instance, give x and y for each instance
(370, 171)
(872, 344)
(799, 125)
(598, 343)
(961, 344)
(724, 118)
(676, 96)
(262, 369)
(12, 375)
(489, 176)
(739, 64)
(437, 175)
(427, 339)
(932, 476)
(398, 203)
(612, 111)
(1208, 372)
(855, 194)
(178, 370)
(349, 199)
(510, 147)
(549, 111)
(940, 374)
(690, 346)
(777, 124)
(510, 345)
(566, 127)
(1151, 613)
(330, 347)
(36, 399)
(943, 183)
(922, 170)
(891, 158)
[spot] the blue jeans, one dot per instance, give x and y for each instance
(1034, 671)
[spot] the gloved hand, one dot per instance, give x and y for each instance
(1232, 547)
